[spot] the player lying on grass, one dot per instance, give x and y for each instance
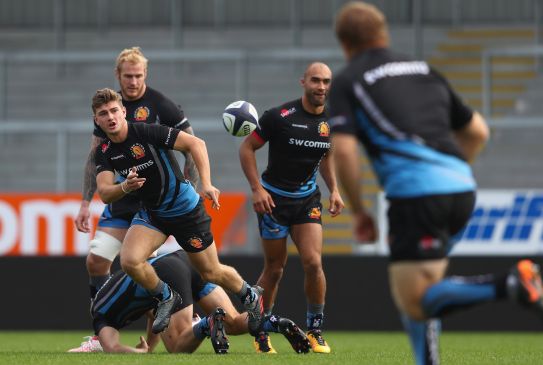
(121, 301)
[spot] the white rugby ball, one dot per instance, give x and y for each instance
(240, 118)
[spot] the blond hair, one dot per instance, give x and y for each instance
(133, 55)
(103, 97)
(360, 25)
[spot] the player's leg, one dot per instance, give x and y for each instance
(207, 263)
(141, 240)
(180, 337)
(275, 259)
(308, 240)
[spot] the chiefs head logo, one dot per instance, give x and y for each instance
(137, 151)
(324, 129)
(141, 114)
(195, 242)
(315, 213)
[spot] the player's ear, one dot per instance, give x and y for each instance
(124, 112)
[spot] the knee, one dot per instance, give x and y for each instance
(313, 266)
(212, 276)
(274, 271)
(130, 265)
(97, 265)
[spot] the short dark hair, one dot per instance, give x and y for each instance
(104, 96)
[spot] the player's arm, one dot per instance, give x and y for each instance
(152, 338)
(110, 341)
(89, 188)
(190, 171)
(346, 157)
(262, 200)
(110, 192)
(328, 174)
(473, 136)
(198, 150)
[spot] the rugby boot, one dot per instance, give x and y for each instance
(263, 344)
(294, 335)
(255, 311)
(91, 344)
(318, 344)
(524, 285)
(165, 309)
(219, 341)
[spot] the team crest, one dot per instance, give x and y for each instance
(315, 213)
(324, 129)
(141, 114)
(137, 151)
(195, 242)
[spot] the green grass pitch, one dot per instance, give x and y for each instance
(37, 348)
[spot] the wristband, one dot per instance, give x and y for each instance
(122, 188)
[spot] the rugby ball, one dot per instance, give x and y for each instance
(240, 118)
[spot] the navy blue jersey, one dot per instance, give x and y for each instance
(405, 114)
(120, 301)
(148, 148)
(152, 108)
(298, 140)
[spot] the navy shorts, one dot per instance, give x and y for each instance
(422, 228)
(192, 230)
(288, 212)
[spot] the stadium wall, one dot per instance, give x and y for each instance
(52, 293)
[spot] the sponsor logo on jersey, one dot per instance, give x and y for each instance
(392, 69)
(195, 242)
(300, 126)
(286, 112)
(137, 151)
(141, 114)
(429, 243)
(306, 143)
(105, 146)
(139, 167)
(324, 129)
(169, 136)
(117, 157)
(315, 213)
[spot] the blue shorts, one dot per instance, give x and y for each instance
(120, 221)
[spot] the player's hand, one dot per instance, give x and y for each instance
(365, 230)
(143, 346)
(262, 201)
(82, 219)
(212, 193)
(133, 181)
(336, 204)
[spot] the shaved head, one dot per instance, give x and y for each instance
(317, 67)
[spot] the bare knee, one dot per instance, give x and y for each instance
(313, 267)
(97, 265)
(130, 265)
(273, 270)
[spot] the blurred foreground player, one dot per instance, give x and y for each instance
(419, 136)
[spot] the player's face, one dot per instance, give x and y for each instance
(131, 78)
(316, 84)
(110, 118)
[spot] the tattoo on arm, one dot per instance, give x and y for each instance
(190, 167)
(89, 176)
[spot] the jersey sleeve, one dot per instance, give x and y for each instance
(265, 128)
(102, 162)
(171, 115)
(158, 135)
(341, 105)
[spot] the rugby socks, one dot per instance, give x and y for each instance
(201, 329)
(314, 316)
(424, 338)
(96, 282)
(269, 311)
(247, 295)
(271, 324)
(161, 291)
(458, 292)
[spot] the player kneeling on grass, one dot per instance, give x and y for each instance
(121, 301)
